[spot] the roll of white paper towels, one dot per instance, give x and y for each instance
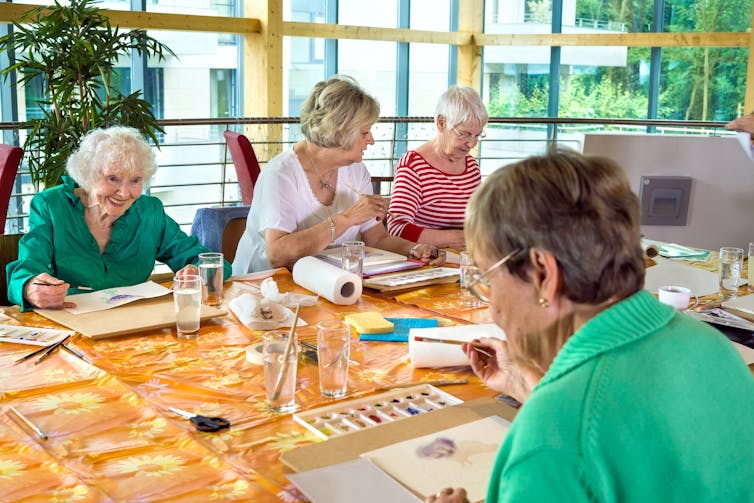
(439, 354)
(336, 285)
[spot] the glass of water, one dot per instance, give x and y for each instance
(731, 264)
(465, 270)
(187, 294)
(750, 267)
(211, 272)
(352, 257)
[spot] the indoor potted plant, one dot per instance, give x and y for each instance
(74, 49)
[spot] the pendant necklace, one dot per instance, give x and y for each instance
(324, 184)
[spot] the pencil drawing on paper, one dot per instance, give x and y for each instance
(460, 452)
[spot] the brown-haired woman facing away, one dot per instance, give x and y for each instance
(624, 398)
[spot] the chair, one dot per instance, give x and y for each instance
(245, 161)
(8, 253)
(220, 229)
(10, 158)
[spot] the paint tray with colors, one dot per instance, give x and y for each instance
(358, 414)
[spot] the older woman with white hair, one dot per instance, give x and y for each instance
(319, 193)
(97, 230)
(434, 182)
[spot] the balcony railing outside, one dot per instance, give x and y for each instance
(196, 170)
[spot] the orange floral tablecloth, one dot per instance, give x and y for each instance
(111, 437)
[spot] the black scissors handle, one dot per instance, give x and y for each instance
(204, 423)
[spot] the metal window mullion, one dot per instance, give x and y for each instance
(554, 95)
(331, 45)
(401, 80)
(655, 64)
(453, 49)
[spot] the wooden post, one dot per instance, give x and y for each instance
(263, 91)
(470, 21)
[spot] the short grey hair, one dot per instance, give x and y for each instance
(335, 111)
(121, 147)
(461, 105)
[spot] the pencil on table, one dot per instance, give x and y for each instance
(475, 345)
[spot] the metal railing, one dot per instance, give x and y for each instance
(196, 171)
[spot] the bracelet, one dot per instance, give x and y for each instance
(331, 223)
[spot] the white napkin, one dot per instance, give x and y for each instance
(269, 290)
(248, 309)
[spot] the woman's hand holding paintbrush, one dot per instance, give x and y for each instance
(489, 360)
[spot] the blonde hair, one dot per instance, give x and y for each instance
(579, 208)
(120, 147)
(335, 111)
(461, 105)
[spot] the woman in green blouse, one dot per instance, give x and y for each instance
(624, 399)
(97, 230)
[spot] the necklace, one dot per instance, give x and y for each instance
(324, 184)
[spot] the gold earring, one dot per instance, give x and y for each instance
(544, 303)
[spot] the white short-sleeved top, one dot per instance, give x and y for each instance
(283, 200)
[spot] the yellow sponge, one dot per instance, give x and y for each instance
(369, 323)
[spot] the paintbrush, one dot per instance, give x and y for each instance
(363, 194)
(477, 346)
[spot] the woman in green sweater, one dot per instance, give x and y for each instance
(97, 230)
(624, 398)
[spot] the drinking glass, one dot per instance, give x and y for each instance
(333, 351)
(211, 272)
(731, 263)
(187, 295)
(278, 372)
(352, 257)
(465, 269)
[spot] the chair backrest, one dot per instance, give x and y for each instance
(232, 233)
(8, 253)
(245, 161)
(10, 159)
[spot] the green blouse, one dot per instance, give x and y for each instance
(641, 404)
(59, 243)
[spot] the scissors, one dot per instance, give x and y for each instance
(203, 423)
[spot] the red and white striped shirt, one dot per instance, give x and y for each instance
(423, 197)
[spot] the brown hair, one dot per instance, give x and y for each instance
(579, 208)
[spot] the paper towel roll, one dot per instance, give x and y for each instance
(438, 354)
(336, 285)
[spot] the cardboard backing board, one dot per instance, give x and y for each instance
(352, 445)
(126, 319)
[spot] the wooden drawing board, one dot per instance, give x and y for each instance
(136, 316)
(351, 445)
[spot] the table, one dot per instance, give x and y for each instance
(111, 436)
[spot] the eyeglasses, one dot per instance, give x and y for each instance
(466, 136)
(479, 285)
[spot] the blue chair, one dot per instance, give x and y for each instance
(220, 229)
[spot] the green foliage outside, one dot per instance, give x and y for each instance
(695, 83)
(74, 50)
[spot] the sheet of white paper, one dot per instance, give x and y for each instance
(745, 140)
(743, 303)
(114, 297)
(252, 276)
(355, 480)
(461, 456)
(699, 281)
(745, 351)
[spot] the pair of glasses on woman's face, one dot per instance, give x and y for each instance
(479, 285)
(466, 136)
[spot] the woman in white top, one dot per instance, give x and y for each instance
(319, 194)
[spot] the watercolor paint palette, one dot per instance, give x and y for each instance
(358, 414)
(32, 335)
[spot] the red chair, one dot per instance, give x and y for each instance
(10, 159)
(245, 161)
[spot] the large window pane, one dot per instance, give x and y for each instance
(303, 66)
(516, 81)
(518, 16)
(430, 15)
(373, 65)
(609, 82)
(383, 14)
(702, 83)
(196, 7)
(307, 11)
(707, 15)
(612, 15)
(427, 77)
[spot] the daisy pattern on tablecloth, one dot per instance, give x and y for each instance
(148, 429)
(69, 403)
(150, 466)
(10, 468)
(232, 490)
(75, 493)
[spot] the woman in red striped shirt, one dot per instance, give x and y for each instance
(434, 182)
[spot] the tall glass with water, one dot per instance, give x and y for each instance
(731, 265)
(187, 295)
(749, 260)
(211, 272)
(352, 257)
(466, 269)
